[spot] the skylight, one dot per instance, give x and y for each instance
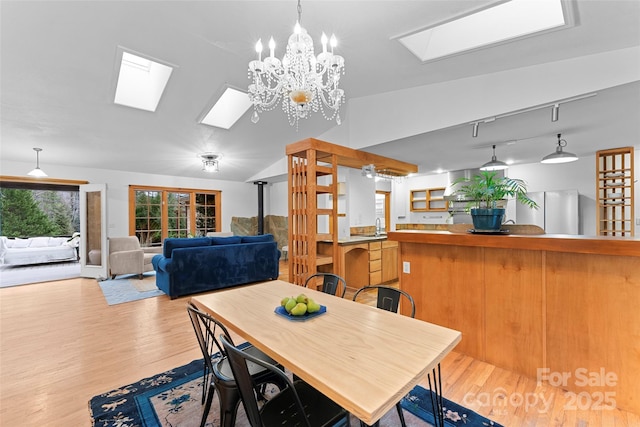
(141, 82)
(506, 21)
(228, 109)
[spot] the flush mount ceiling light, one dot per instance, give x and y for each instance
(37, 172)
(210, 162)
(494, 164)
(303, 82)
(560, 156)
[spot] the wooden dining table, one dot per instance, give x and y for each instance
(363, 358)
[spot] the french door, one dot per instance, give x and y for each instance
(93, 231)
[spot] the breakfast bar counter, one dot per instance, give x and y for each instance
(546, 306)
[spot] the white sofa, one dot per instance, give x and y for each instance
(37, 250)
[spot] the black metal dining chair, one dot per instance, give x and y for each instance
(331, 283)
(218, 376)
(388, 298)
(298, 404)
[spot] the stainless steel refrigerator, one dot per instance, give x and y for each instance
(557, 212)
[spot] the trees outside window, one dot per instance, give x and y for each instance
(28, 213)
(157, 213)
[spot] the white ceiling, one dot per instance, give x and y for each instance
(58, 71)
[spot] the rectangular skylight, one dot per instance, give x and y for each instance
(141, 82)
(228, 109)
(506, 21)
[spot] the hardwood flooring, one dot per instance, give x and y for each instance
(61, 344)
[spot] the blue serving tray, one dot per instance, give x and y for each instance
(282, 312)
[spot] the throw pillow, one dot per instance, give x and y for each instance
(57, 241)
(172, 243)
(39, 242)
(20, 243)
(256, 239)
(231, 240)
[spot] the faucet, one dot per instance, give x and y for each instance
(378, 227)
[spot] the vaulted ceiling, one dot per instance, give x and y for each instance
(59, 68)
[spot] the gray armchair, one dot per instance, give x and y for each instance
(126, 256)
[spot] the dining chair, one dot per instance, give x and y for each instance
(331, 283)
(217, 373)
(388, 298)
(298, 404)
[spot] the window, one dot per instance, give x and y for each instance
(158, 213)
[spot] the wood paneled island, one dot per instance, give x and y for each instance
(563, 309)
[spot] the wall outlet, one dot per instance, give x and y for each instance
(406, 267)
(637, 221)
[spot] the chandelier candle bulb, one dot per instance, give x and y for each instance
(259, 49)
(272, 47)
(324, 40)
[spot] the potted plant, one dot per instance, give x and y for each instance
(486, 192)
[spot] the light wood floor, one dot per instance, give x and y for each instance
(61, 344)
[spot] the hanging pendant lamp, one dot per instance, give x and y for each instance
(37, 172)
(494, 164)
(560, 156)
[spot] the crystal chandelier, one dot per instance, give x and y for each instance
(303, 82)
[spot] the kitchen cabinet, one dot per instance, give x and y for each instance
(615, 190)
(428, 199)
(389, 261)
(383, 262)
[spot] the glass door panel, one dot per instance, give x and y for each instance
(93, 231)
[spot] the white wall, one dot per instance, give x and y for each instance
(579, 175)
(238, 198)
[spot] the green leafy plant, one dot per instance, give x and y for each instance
(486, 189)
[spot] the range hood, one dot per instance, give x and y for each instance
(450, 192)
(458, 202)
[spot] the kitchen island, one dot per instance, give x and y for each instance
(554, 307)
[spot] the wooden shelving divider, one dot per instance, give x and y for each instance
(313, 173)
(614, 192)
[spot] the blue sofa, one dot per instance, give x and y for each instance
(192, 265)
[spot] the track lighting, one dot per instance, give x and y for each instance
(475, 129)
(555, 110)
(560, 156)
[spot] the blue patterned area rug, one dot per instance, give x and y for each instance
(130, 288)
(173, 398)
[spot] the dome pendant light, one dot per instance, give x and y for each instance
(37, 172)
(560, 156)
(494, 164)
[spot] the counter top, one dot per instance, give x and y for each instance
(353, 240)
(622, 246)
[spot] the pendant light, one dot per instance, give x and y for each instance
(494, 164)
(37, 172)
(560, 156)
